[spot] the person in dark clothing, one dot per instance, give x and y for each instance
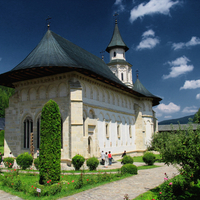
(124, 154)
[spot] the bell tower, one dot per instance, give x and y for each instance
(118, 64)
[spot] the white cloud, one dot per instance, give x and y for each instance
(193, 84)
(191, 109)
(150, 32)
(152, 7)
(170, 108)
(193, 42)
(120, 5)
(198, 96)
(179, 66)
(0, 58)
(148, 40)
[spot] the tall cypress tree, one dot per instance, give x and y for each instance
(50, 143)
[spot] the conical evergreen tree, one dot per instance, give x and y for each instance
(50, 143)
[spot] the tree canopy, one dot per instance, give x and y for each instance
(5, 94)
(196, 118)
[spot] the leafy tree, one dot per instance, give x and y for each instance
(5, 94)
(183, 148)
(196, 118)
(50, 146)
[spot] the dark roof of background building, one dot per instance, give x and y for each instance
(116, 40)
(175, 127)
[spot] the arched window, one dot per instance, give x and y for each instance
(61, 133)
(114, 54)
(122, 76)
(38, 132)
(28, 128)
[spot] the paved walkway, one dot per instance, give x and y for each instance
(133, 186)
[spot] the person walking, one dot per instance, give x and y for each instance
(106, 160)
(110, 158)
(102, 158)
(38, 153)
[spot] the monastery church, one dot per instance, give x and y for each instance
(101, 108)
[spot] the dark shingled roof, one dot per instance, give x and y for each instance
(56, 55)
(116, 40)
(139, 87)
(54, 50)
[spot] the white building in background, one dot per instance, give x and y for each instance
(101, 108)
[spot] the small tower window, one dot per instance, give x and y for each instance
(123, 55)
(114, 54)
(122, 76)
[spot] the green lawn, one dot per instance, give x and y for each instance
(139, 158)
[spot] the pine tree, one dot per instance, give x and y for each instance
(50, 145)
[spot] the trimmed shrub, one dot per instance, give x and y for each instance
(2, 137)
(8, 162)
(149, 158)
(92, 163)
(127, 159)
(36, 163)
(129, 168)
(24, 160)
(78, 161)
(50, 143)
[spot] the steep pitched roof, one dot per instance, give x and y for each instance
(56, 55)
(139, 87)
(116, 40)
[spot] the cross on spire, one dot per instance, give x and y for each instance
(115, 15)
(48, 21)
(137, 73)
(102, 54)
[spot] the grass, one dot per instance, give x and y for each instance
(139, 158)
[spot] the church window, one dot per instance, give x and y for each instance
(38, 132)
(61, 133)
(122, 76)
(114, 54)
(107, 130)
(118, 131)
(123, 55)
(130, 131)
(28, 129)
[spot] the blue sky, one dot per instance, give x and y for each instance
(163, 37)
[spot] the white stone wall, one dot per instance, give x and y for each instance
(89, 111)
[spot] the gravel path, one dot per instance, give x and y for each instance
(133, 186)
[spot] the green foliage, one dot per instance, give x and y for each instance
(8, 162)
(183, 148)
(92, 163)
(5, 94)
(129, 168)
(196, 118)
(78, 161)
(127, 159)
(149, 158)
(2, 138)
(24, 160)
(50, 143)
(36, 163)
(158, 140)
